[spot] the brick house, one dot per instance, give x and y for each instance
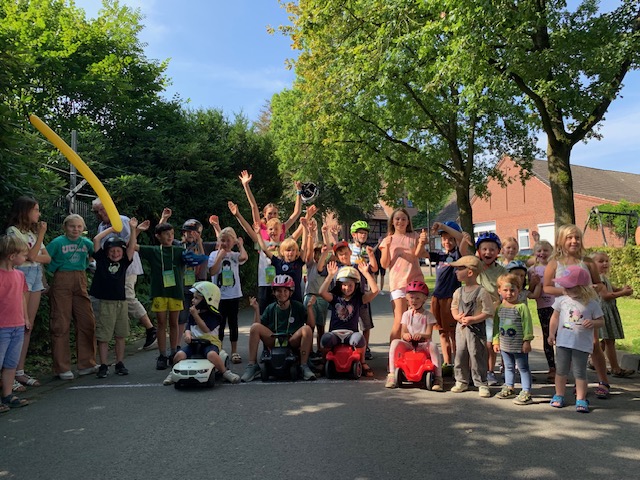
(518, 210)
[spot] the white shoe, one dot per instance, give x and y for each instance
(231, 377)
(68, 375)
(484, 391)
(168, 380)
(460, 387)
(88, 371)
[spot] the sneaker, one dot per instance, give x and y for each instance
(250, 373)
(523, 398)
(151, 340)
(121, 369)
(491, 379)
(162, 362)
(168, 380)
(103, 371)
(460, 387)
(307, 374)
(68, 375)
(391, 381)
(506, 392)
(231, 377)
(367, 354)
(438, 385)
(484, 391)
(88, 371)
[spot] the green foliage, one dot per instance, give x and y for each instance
(622, 225)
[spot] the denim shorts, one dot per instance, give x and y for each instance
(11, 339)
(33, 275)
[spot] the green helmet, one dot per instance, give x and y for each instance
(359, 225)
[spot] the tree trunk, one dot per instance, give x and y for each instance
(463, 200)
(561, 183)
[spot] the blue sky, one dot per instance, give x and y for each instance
(221, 56)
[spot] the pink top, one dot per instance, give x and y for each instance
(13, 285)
(404, 266)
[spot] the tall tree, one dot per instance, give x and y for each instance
(374, 100)
(568, 65)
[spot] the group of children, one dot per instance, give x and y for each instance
(478, 305)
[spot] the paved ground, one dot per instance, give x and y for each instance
(133, 427)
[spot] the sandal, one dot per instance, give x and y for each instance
(622, 373)
(236, 358)
(18, 387)
(13, 401)
(557, 401)
(4, 408)
(366, 370)
(602, 390)
(582, 406)
(27, 381)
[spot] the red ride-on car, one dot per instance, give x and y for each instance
(415, 367)
(343, 359)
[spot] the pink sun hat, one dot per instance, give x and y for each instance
(573, 276)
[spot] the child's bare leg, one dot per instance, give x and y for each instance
(581, 389)
(214, 358)
(161, 318)
(120, 344)
(320, 330)
(445, 346)
(598, 360)
(174, 330)
(491, 357)
(610, 350)
(561, 384)
(399, 307)
(103, 350)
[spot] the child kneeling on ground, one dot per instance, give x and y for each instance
(417, 325)
(204, 322)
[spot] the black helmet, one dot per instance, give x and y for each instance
(308, 192)
(114, 241)
(191, 225)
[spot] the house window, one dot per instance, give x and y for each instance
(523, 238)
(482, 227)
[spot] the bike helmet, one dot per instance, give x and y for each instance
(348, 272)
(515, 265)
(308, 192)
(209, 291)
(488, 237)
(114, 241)
(359, 225)
(192, 225)
(451, 224)
(283, 281)
(417, 286)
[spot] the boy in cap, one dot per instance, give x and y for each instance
(470, 307)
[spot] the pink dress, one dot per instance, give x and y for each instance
(404, 266)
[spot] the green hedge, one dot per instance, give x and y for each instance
(625, 266)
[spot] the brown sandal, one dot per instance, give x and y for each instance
(367, 371)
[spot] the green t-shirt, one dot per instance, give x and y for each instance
(69, 255)
(488, 279)
(166, 265)
(288, 320)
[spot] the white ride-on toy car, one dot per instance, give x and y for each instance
(197, 370)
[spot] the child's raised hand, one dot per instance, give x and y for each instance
(214, 220)
(253, 303)
(42, 227)
(304, 221)
(363, 266)
(332, 268)
(233, 208)
(423, 236)
(166, 213)
(144, 226)
(436, 227)
(626, 291)
(193, 310)
(298, 185)
(313, 226)
(467, 238)
(311, 211)
(335, 229)
(324, 249)
(240, 242)
(133, 222)
(370, 251)
(245, 177)
(256, 227)
(534, 279)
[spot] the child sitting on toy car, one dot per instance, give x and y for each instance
(417, 326)
(285, 316)
(345, 300)
(204, 322)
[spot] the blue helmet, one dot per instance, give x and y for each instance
(488, 237)
(451, 224)
(515, 265)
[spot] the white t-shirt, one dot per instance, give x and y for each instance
(228, 278)
(264, 262)
(417, 322)
(571, 333)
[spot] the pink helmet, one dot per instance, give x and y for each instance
(284, 281)
(418, 286)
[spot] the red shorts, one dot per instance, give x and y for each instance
(441, 309)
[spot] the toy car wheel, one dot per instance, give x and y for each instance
(329, 369)
(264, 373)
(400, 378)
(428, 381)
(294, 372)
(212, 379)
(177, 385)
(356, 370)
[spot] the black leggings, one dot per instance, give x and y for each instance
(229, 311)
(544, 314)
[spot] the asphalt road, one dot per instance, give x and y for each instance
(133, 427)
